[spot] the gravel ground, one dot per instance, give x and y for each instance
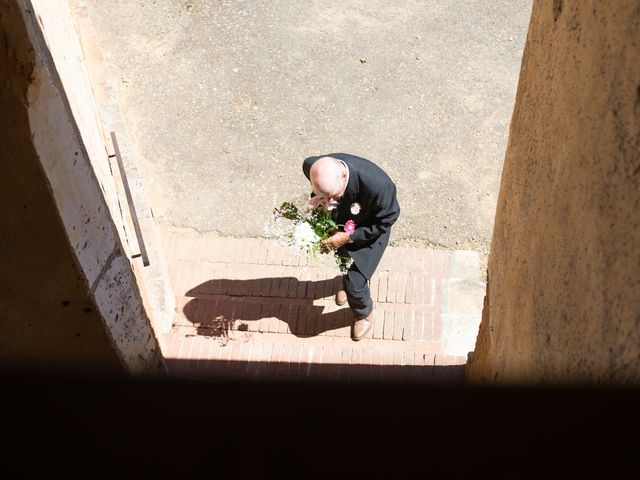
(223, 100)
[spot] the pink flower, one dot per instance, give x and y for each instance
(323, 203)
(314, 201)
(350, 226)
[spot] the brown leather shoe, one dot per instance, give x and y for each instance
(341, 298)
(361, 327)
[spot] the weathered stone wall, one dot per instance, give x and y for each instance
(563, 297)
(69, 298)
(152, 274)
(49, 320)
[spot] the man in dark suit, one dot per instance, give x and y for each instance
(355, 189)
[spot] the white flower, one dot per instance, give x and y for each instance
(344, 263)
(304, 236)
(355, 208)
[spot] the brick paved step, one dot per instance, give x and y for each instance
(260, 251)
(278, 356)
(247, 308)
(217, 314)
(195, 279)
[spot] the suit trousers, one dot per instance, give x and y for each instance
(356, 286)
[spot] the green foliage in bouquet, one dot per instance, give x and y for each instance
(319, 219)
(320, 222)
(289, 211)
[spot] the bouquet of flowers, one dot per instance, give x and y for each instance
(306, 228)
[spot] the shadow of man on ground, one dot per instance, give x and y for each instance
(286, 305)
(274, 305)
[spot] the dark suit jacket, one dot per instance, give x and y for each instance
(374, 190)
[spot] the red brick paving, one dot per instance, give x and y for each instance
(248, 309)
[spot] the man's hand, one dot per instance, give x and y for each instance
(335, 241)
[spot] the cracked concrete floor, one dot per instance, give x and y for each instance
(223, 100)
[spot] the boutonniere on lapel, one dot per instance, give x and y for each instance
(355, 208)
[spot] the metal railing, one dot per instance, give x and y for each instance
(132, 209)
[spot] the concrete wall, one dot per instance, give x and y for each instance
(69, 296)
(153, 274)
(563, 297)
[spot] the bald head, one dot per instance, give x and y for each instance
(328, 177)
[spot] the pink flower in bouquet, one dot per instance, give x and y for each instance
(350, 226)
(321, 202)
